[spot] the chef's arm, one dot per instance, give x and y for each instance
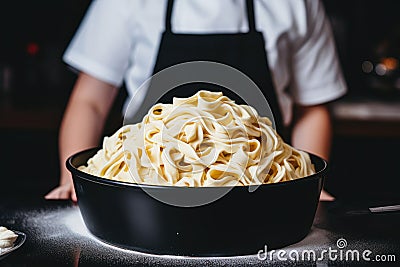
(82, 125)
(312, 132)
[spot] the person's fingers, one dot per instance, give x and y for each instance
(71, 191)
(73, 196)
(325, 196)
(64, 193)
(53, 194)
(61, 192)
(49, 196)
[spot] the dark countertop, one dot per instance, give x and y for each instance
(366, 116)
(56, 236)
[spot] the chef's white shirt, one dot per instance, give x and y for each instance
(118, 41)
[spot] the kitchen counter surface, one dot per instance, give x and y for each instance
(56, 236)
(366, 116)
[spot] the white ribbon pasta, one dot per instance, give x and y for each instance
(203, 140)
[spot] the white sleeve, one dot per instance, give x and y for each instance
(103, 42)
(317, 76)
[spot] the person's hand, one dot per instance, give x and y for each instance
(325, 196)
(64, 191)
(82, 125)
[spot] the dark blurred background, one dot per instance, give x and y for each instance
(35, 85)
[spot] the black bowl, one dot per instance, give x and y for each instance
(239, 223)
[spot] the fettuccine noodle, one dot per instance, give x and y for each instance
(203, 140)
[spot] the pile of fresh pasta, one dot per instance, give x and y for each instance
(204, 140)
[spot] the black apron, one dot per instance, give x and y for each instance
(243, 51)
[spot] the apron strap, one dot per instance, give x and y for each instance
(250, 15)
(168, 27)
(249, 8)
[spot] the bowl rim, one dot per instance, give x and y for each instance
(105, 181)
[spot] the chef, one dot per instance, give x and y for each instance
(286, 47)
